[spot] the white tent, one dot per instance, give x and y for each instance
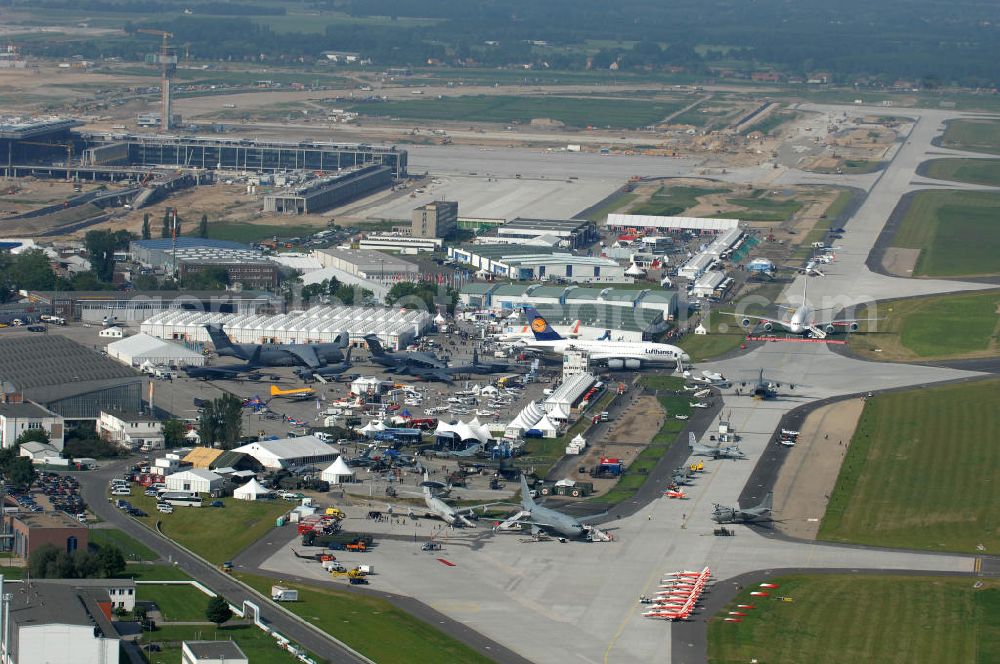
(252, 490)
(140, 348)
(525, 420)
(369, 429)
(548, 428)
(337, 472)
(578, 439)
(635, 271)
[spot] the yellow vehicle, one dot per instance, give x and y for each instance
(294, 392)
(698, 467)
(335, 512)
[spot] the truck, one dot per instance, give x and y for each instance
(283, 594)
(567, 488)
(337, 541)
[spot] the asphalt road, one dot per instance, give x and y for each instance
(93, 486)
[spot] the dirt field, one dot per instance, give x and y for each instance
(810, 472)
(627, 436)
(900, 261)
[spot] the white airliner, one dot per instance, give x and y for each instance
(802, 320)
(524, 333)
(616, 354)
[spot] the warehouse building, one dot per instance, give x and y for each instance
(367, 264)
(646, 222)
(395, 328)
(501, 297)
(696, 266)
(537, 263)
(707, 284)
(135, 306)
(198, 480)
(437, 219)
(141, 349)
(328, 192)
(561, 402)
(290, 452)
(31, 530)
(571, 233)
(401, 244)
(131, 431)
(66, 378)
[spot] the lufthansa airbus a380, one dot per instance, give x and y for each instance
(616, 354)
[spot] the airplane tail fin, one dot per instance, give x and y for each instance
(221, 341)
(347, 358)
(691, 439)
(254, 360)
(539, 326)
(475, 355)
(374, 345)
(275, 391)
(527, 502)
(606, 336)
(767, 503)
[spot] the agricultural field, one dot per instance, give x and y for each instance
(571, 111)
(922, 472)
(672, 201)
(973, 135)
(976, 171)
(956, 231)
(371, 625)
(862, 618)
(939, 327)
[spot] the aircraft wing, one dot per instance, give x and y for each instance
(305, 353)
(762, 319)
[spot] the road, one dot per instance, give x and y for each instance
(93, 487)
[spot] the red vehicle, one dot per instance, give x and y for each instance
(423, 424)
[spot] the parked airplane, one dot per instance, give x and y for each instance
(616, 354)
(235, 371)
(328, 371)
(547, 519)
(802, 320)
(399, 359)
(294, 393)
(279, 355)
(759, 514)
(444, 511)
(714, 451)
(763, 388)
(708, 378)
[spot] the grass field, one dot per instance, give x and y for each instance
(371, 626)
(145, 572)
(760, 207)
(255, 644)
(852, 618)
(573, 111)
(131, 548)
(959, 326)
(703, 347)
(177, 603)
(976, 171)
(610, 205)
(770, 124)
(543, 453)
(214, 533)
(956, 231)
(973, 135)
(922, 472)
(670, 201)
(240, 232)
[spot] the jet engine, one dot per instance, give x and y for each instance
(746, 322)
(830, 329)
(768, 327)
(632, 364)
(616, 364)
(853, 327)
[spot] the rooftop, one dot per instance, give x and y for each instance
(47, 602)
(604, 316)
(48, 520)
(547, 224)
(368, 257)
(214, 649)
(290, 448)
(24, 410)
(55, 366)
(186, 243)
(499, 251)
(19, 129)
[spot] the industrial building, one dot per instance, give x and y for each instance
(395, 328)
(535, 263)
(131, 431)
(500, 297)
(708, 284)
(367, 264)
(37, 141)
(66, 378)
(140, 349)
(328, 192)
(131, 306)
(564, 398)
(571, 233)
(31, 530)
(401, 243)
(636, 222)
(188, 256)
(290, 452)
(437, 219)
(696, 266)
(198, 480)
(16, 418)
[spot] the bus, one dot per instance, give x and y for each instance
(180, 498)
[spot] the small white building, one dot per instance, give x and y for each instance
(337, 472)
(707, 283)
(212, 652)
(195, 479)
(16, 418)
(38, 452)
(290, 452)
(368, 385)
(131, 431)
(252, 490)
(113, 332)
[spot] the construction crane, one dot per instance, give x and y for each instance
(167, 59)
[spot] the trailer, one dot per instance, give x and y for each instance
(283, 594)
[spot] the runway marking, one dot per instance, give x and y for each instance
(628, 617)
(445, 562)
(977, 566)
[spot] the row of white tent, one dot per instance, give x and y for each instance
(532, 418)
(337, 472)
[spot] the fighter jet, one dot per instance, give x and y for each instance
(279, 355)
(759, 514)
(547, 519)
(714, 451)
